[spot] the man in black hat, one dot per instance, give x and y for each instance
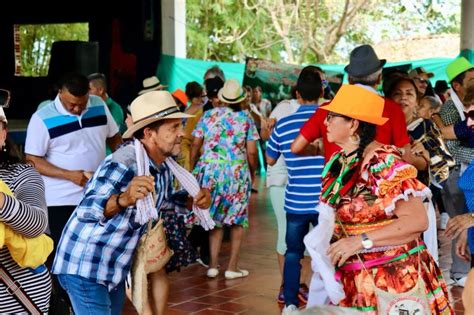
(365, 69)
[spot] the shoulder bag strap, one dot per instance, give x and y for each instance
(14, 289)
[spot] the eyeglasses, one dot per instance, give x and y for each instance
(470, 114)
(422, 81)
(331, 115)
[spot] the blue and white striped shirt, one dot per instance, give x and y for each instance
(304, 172)
(98, 248)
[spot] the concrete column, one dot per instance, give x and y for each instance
(173, 27)
(467, 29)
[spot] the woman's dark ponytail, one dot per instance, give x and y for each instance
(366, 134)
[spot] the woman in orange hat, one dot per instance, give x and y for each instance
(371, 204)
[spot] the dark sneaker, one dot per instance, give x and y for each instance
(281, 296)
(303, 293)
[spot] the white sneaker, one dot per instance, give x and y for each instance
(290, 309)
(443, 220)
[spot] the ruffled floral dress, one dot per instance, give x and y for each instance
(369, 206)
(223, 167)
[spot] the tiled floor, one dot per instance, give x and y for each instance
(193, 293)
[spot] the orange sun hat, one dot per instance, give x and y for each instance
(180, 96)
(358, 103)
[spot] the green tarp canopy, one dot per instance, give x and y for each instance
(176, 72)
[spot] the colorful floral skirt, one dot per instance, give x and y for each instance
(396, 277)
(230, 185)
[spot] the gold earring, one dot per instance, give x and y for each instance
(355, 139)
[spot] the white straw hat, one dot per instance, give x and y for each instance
(151, 84)
(151, 107)
(231, 92)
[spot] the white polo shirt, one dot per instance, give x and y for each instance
(70, 142)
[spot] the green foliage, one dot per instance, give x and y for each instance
(307, 31)
(36, 42)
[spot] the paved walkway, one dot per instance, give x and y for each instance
(193, 293)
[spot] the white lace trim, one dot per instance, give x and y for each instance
(426, 193)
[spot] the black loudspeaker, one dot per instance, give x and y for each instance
(73, 56)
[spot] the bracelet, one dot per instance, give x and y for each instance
(117, 201)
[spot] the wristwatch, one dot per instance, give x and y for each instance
(366, 241)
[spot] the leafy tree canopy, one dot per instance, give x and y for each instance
(308, 31)
(36, 42)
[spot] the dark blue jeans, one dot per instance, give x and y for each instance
(297, 226)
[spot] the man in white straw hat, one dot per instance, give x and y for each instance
(98, 242)
(151, 84)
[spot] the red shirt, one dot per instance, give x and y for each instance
(393, 132)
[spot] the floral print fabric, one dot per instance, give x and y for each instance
(223, 167)
(369, 206)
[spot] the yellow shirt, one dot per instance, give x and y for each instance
(185, 156)
(27, 252)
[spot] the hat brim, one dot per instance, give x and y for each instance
(352, 71)
(130, 131)
(369, 119)
(224, 100)
(156, 88)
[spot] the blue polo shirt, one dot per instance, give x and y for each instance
(304, 172)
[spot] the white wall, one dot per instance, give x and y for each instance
(173, 30)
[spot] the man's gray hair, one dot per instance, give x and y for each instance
(214, 71)
(433, 101)
(369, 79)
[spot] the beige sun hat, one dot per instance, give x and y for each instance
(151, 107)
(151, 84)
(231, 92)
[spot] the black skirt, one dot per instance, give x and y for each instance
(175, 229)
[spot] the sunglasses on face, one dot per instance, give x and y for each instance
(422, 81)
(470, 114)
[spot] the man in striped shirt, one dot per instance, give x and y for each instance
(304, 181)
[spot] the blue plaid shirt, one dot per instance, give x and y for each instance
(98, 248)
